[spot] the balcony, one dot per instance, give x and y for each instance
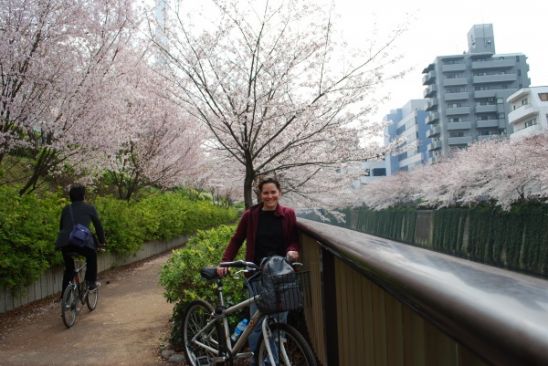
(464, 140)
(412, 160)
(455, 81)
(429, 78)
(478, 65)
(523, 112)
(500, 78)
(459, 125)
(527, 132)
(432, 117)
(453, 67)
(488, 137)
(432, 104)
(456, 96)
(488, 123)
(486, 108)
(430, 91)
(433, 131)
(485, 93)
(434, 145)
(457, 111)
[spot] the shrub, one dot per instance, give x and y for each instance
(181, 274)
(181, 278)
(29, 225)
(28, 228)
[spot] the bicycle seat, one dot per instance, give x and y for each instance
(209, 273)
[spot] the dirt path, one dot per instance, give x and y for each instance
(130, 322)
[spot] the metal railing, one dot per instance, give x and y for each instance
(379, 302)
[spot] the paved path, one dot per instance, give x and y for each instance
(130, 322)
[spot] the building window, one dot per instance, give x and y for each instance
(524, 101)
(456, 133)
(530, 122)
(379, 172)
(543, 97)
(454, 119)
(486, 132)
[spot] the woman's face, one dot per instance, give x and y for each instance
(270, 194)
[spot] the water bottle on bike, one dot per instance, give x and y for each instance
(239, 330)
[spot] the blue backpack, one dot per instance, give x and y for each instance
(80, 235)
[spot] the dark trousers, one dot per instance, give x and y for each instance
(91, 262)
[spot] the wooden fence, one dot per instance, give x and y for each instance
(379, 302)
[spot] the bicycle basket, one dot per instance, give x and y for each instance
(278, 293)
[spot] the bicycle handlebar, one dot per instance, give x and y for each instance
(244, 264)
(239, 264)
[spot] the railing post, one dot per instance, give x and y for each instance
(330, 307)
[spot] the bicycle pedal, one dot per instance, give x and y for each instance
(203, 361)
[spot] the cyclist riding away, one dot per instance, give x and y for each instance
(82, 213)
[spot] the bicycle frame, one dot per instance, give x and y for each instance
(77, 283)
(222, 316)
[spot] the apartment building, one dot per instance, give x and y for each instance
(407, 124)
(466, 93)
(529, 111)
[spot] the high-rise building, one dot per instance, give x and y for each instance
(529, 111)
(407, 124)
(467, 92)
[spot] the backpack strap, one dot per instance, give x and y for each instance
(71, 215)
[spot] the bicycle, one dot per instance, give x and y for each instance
(76, 294)
(206, 333)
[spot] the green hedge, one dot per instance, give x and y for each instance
(29, 226)
(181, 274)
(181, 278)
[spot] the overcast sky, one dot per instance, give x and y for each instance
(437, 28)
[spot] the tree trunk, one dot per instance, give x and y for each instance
(248, 190)
(41, 168)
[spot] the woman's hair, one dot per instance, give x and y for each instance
(264, 181)
(77, 193)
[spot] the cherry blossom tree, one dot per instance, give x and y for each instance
(56, 58)
(280, 94)
(500, 171)
(159, 145)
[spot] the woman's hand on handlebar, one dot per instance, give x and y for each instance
(222, 271)
(292, 256)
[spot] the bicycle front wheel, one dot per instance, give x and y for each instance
(197, 315)
(68, 306)
(92, 298)
(288, 346)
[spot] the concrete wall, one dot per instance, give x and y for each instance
(50, 281)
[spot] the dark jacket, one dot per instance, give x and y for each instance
(247, 230)
(84, 214)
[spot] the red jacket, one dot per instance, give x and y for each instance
(247, 230)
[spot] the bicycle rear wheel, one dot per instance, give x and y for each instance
(92, 298)
(288, 345)
(197, 315)
(69, 310)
